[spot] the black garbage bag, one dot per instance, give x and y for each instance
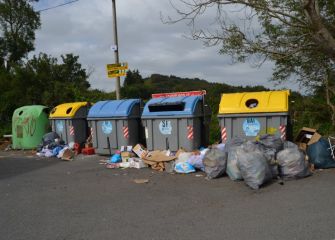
(253, 165)
(292, 164)
(319, 154)
(270, 145)
(49, 138)
(215, 162)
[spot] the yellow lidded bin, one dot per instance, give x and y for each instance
(251, 114)
(68, 120)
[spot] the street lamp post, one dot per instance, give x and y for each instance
(116, 50)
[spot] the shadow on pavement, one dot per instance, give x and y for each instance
(13, 165)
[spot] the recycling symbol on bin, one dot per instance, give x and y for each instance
(59, 126)
(107, 127)
(251, 127)
(165, 127)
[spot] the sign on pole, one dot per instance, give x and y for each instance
(179, 94)
(116, 69)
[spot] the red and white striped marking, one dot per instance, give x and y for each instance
(125, 132)
(71, 131)
(190, 133)
(91, 132)
(224, 135)
(282, 129)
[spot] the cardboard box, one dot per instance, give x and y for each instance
(137, 163)
(126, 155)
(140, 150)
(306, 137)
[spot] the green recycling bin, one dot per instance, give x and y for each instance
(29, 124)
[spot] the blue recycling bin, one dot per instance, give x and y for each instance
(115, 123)
(176, 122)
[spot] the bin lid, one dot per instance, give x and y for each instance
(254, 102)
(67, 110)
(112, 108)
(173, 106)
(34, 110)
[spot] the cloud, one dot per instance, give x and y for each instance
(85, 28)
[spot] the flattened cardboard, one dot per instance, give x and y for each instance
(158, 156)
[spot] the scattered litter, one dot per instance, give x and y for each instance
(116, 158)
(139, 150)
(184, 167)
(68, 155)
(141, 181)
(112, 165)
(137, 163)
(199, 175)
(124, 164)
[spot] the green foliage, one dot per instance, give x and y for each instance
(133, 77)
(18, 22)
(42, 80)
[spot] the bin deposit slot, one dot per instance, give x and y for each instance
(20, 113)
(68, 110)
(166, 107)
(251, 103)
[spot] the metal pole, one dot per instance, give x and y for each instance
(116, 51)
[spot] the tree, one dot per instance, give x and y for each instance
(50, 83)
(297, 35)
(288, 27)
(133, 77)
(18, 22)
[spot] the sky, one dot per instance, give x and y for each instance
(85, 28)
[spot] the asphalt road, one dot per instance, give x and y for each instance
(51, 199)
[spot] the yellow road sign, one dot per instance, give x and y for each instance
(116, 73)
(117, 69)
(117, 66)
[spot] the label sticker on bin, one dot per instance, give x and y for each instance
(165, 127)
(251, 127)
(59, 126)
(146, 133)
(107, 127)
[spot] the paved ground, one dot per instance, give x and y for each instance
(51, 199)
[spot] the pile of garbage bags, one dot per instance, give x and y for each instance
(255, 162)
(52, 146)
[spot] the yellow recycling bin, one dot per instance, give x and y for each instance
(251, 114)
(68, 120)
